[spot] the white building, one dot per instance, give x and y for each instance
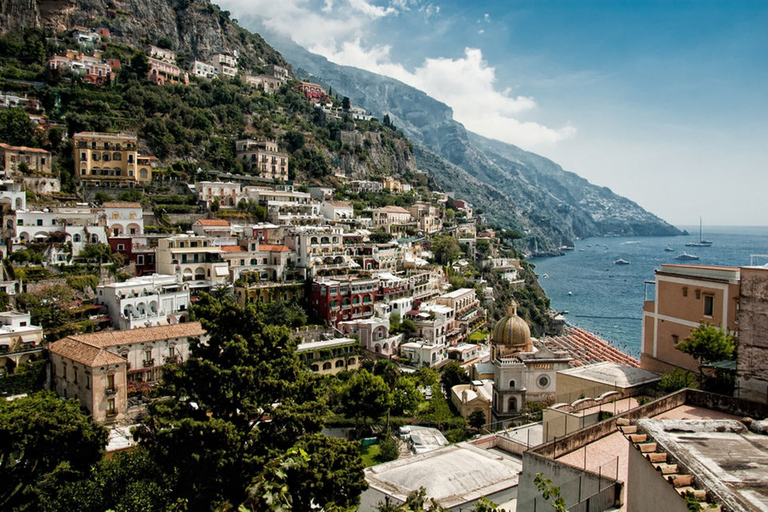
(337, 211)
(145, 301)
(228, 194)
(12, 194)
(20, 341)
(424, 353)
(203, 69)
(196, 259)
(124, 218)
(374, 334)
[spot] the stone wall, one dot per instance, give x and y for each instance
(752, 364)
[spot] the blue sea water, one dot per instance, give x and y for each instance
(607, 299)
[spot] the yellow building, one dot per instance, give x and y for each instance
(108, 158)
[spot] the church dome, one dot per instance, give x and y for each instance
(511, 333)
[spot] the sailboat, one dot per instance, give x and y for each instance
(701, 242)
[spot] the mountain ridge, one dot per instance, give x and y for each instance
(550, 206)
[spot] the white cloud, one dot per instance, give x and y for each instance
(339, 32)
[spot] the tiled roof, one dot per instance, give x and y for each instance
(84, 353)
(394, 209)
(338, 204)
(8, 147)
(274, 248)
(232, 248)
(213, 222)
(586, 348)
(121, 205)
(143, 335)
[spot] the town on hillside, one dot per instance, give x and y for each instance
(225, 287)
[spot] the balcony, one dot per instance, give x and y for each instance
(110, 391)
(148, 363)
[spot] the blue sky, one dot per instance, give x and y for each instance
(665, 102)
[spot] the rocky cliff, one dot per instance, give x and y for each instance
(516, 188)
(196, 29)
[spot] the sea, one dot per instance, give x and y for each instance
(607, 298)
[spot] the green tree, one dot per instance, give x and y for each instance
(477, 419)
(446, 249)
(676, 380)
(707, 343)
(549, 491)
(43, 435)
(140, 65)
(452, 374)
(16, 128)
(345, 104)
(388, 449)
(365, 397)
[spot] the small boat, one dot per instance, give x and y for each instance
(570, 293)
(669, 248)
(687, 257)
(621, 261)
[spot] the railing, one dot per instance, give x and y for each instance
(110, 391)
(148, 362)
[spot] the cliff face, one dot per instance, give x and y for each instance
(195, 28)
(517, 189)
(371, 153)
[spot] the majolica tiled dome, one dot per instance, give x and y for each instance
(511, 333)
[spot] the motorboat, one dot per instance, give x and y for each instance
(669, 248)
(621, 261)
(686, 257)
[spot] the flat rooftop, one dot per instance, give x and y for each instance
(723, 455)
(453, 475)
(613, 374)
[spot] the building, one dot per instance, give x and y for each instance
(216, 228)
(677, 301)
(225, 64)
(192, 258)
(473, 397)
(136, 250)
(329, 357)
(358, 186)
(313, 92)
(337, 211)
(266, 83)
(389, 217)
(203, 69)
(124, 218)
(161, 54)
(374, 334)
(263, 158)
(228, 194)
(752, 358)
(20, 341)
(466, 307)
(162, 72)
(79, 226)
(341, 299)
(100, 369)
(105, 158)
(145, 301)
(21, 160)
(13, 195)
(422, 352)
(521, 372)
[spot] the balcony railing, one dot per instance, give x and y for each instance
(110, 391)
(148, 362)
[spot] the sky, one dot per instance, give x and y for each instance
(665, 102)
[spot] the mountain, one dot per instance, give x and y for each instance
(195, 29)
(516, 189)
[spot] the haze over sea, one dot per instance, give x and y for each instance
(607, 299)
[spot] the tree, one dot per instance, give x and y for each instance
(452, 374)
(241, 400)
(707, 343)
(445, 248)
(294, 140)
(388, 449)
(477, 419)
(16, 128)
(345, 104)
(365, 397)
(43, 435)
(549, 491)
(677, 379)
(380, 237)
(140, 65)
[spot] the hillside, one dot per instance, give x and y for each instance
(533, 195)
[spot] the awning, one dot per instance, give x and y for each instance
(222, 271)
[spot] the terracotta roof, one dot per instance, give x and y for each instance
(232, 248)
(274, 248)
(338, 204)
(213, 222)
(121, 205)
(22, 148)
(143, 335)
(84, 353)
(587, 348)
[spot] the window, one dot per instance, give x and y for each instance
(39, 222)
(147, 355)
(698, 294)
(111, 411)
(675, 339)
(709, 305)
(120, 247)
(512, 404)
(543, 381)
(512, 384)
(685, 291)
(140, 259)
(111, 381)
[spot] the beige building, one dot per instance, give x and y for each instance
(263, 157)
(192, 258)
(124, 218)
(329, 357)
(104, 158)
(98, 369)
(36, 160)
(472, 397)
(682, 296)
(389, 216)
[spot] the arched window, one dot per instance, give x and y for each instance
(117, 156)
(94, 238)
(315, 368)
(512, 404)
(327, 366)
(512, 384)
(76, 237)
(351, 361)
(340, 363)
